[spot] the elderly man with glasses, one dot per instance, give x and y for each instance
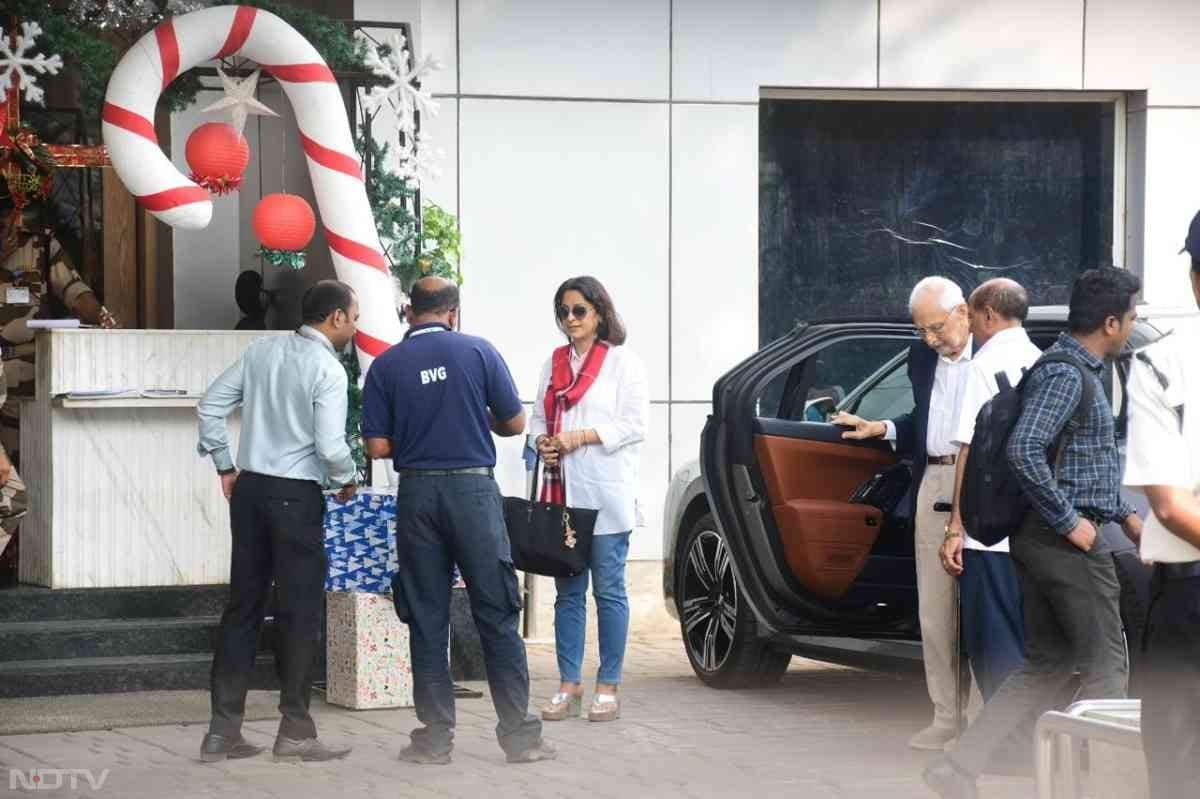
(937, 368)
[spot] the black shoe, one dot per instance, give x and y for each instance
(948, 782)
(307, 750)
(423, 757)
(539, 751)
(216, 748)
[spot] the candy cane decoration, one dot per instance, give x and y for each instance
(181, 43)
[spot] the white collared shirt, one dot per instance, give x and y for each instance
(1009, 351)
(1158, 453)
(617, 406)
(948, 379)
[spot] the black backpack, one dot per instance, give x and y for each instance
(993, 504)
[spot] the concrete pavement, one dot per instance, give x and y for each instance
(825, 732)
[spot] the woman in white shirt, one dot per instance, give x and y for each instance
(590, 419)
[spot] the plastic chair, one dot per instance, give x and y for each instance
(1059, 738)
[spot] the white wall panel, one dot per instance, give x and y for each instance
(1172, 174)
(726, 51)
(687, 422)
(646, 541)
(551, 190)
(993, 44)
(714, 244)
(1148, 45)
(614, 49)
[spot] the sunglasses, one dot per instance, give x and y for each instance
(580, 312)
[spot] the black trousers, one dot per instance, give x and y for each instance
(1171, 690)
(442, 520)
(1071, 605)
(278, 534)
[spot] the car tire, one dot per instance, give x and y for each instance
(720, 634)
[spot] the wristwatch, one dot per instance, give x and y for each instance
(951, 533)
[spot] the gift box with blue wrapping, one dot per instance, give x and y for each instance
(360, 542)
(366, 645)
(366, 651)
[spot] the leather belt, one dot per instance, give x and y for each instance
(1169, 572)
(485, 471)
(942, 460)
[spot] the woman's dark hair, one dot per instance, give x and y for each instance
(323, 298)
(1099, 294)
(611, 328)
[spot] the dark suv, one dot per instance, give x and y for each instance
(765, 554)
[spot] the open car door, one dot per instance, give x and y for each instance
(786, 488)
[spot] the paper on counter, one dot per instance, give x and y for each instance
(54, 324)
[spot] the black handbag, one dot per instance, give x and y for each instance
(548, 539)
(885, 489)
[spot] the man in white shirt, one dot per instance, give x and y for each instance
(937, 367)
(1163, 460)
(990, 593)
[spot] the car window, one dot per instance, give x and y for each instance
(888, 398)
(865, 375)
(771, 396)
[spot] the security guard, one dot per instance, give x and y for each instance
(1164, 462)
(431, 404)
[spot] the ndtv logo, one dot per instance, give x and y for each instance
(52, 779)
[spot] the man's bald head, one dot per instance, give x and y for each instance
(433, 296)
(1007, 298)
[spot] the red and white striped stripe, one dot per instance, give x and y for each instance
(185, 41)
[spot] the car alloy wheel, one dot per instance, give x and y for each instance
(709, 601)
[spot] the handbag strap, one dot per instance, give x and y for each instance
(537, 468)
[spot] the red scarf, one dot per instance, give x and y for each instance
(565, 391)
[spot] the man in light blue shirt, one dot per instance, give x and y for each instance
(292, 392)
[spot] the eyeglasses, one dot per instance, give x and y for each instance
(934, 329)
(580, 312)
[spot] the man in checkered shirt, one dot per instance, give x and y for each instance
(1071, 593)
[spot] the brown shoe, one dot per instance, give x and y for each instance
(538, 752)
(563, 706)
(605, 707)
(307, 750)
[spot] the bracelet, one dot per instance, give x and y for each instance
(951, 533)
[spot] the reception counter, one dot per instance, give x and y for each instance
(118, 495)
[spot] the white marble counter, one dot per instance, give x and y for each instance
(118, 494)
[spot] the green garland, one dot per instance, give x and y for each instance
(289, 259)
(354, 415)
(440, 250)
(92, 52)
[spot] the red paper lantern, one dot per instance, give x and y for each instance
(284, 222)
(218, 156)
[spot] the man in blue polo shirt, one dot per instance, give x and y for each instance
(431, 404)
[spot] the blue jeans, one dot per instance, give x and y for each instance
(607, 569)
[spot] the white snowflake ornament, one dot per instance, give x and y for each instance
(419, 161)
(400, 92)
(18, 60)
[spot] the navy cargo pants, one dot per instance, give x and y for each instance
(442, 520)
